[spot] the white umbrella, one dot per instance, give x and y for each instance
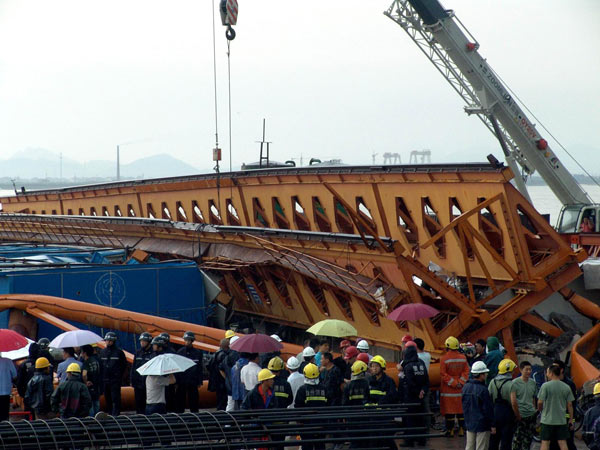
(75, 338)
(166, 364)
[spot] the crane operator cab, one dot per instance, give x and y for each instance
(579, 219)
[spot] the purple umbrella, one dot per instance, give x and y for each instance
(256, 343)
(412, 311)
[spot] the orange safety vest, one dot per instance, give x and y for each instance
(454, 373)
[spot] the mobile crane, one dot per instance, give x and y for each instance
(455, 53)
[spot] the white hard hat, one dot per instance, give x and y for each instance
(479, 367)
(308, 351)
(293, 363)
(363, 345)
(233, 339)
(277, 338)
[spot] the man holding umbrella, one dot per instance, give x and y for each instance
(142, 356)
(114, 366)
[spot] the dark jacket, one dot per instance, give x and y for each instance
(283, 392)
(254, 400)
(310, 396)
(142, 356)
(38, 392)
(357, 392)
(478, 407)
(493, 357)
(193, 376)
(382, 391)
(26, 370)
(416, 378)
(114, 364)
(216, 382)
(94, 374)
(72, 398)
(332, 380)
(591, 426)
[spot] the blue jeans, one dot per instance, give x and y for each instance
(156, 408)
(95, 407)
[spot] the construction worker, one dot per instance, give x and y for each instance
(363, 357)
(479, 409)
(72, 398)
(39, 390)
(416, 387)
(261, 396)
(363, 347)
(454, 373)
(266, 357)
(91, 374)
(229, 334)
(350, 357)
(114, 366)
(296, 379)
(382, 388)
(142, 356)
(357, 392)
(282, 389)
(591, 422)
(310, 395)
(189, 381)
(308, 357)
(504, 418)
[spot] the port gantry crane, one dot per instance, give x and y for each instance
(455, 53)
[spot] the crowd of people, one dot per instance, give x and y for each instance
(479, 395)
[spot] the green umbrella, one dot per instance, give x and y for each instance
(333, 327)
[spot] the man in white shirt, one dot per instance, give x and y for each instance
(422, 354)
(296, 379)
(155, 393)
(249, 373)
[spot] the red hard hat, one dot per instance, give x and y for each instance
(410, 344)
(345, 343)
(406, 338)
(351, 352)
(363, 357)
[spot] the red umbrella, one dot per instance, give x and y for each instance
(412, 311)
(256, 343)
(11, 340)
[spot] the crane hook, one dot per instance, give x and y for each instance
(230, 33)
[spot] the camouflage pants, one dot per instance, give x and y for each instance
(524, 433)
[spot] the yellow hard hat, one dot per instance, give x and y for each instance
(379, 360)
(42, 363)
(452, 343)
(358, 367)
(506, 366)
(74, 367)
(265, 374)
(229, 334)
(311, 371)
(275, 364)
(597, 389)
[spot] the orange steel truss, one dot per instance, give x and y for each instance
(299, 245)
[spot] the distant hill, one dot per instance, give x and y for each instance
(43, 164)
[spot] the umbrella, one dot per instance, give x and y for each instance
(412, 311)
(11, 340)
(21, 353)
(166, 364)
(333, 328)
(256, 343)
(75, 338)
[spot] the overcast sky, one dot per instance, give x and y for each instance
(334, 79)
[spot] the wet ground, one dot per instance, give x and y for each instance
(457, 443)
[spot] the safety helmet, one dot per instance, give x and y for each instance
(479, 367)
(232, 339)
(345, 343)
(410, 344)
(379, 360)
(452, 343)
(311, 371)
(145, 336)
(277, 338)
(506, 366)
(293, 363)
(166, 336)
(44, 343)
(308, 352)
(42, 363)
(358, 367)
(275, 364)
(229, 334)
(406, 338)
(597, 389)
(189, 335)
(159, 340)
(110, 336)
(265, 374)
(363, 345)
(74, 367)
(363, 357)
(351, 352)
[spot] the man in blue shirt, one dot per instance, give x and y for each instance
(8, 373)
(68, 359)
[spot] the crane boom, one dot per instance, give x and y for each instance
(454, 52)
